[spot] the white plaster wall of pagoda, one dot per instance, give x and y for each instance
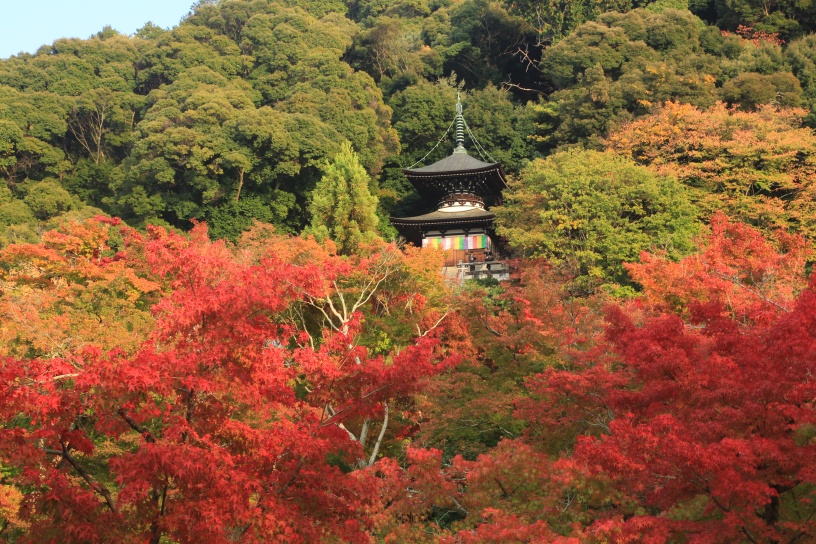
(460, 208)
(451, 232)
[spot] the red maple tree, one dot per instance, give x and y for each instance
(704, 418)
(692, 420)
(232, 421)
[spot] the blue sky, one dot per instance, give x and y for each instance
(25, 25)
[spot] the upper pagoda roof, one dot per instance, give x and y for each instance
(459, 172)
(455, 163)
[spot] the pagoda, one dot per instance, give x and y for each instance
(462, 188)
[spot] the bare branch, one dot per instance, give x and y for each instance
(136, 427)
(364, 433)
(377, 444)
(342, 300)
(510, 85)
(458, 505)
(757, 294)
(503, 490)
(351, 434)
(65, 454)
(65, 376)
(435, 325)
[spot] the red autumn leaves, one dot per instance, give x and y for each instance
(272, 395)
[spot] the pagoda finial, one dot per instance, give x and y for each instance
(460, 127)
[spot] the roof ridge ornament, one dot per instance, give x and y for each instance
(459, 133)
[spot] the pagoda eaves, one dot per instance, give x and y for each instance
(459, 173)
(414, 228)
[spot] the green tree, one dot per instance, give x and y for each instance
(17, 221)
(751, 90)
(557, 18)
(593, 211)
(484, 44)
(802, 56)
(501, 127)
(184, 159)
(32, 125)
(342, 207)
(789, 18)
(387, 50)
(47, 199)
(623, 65)
(205, 151)
(422, 113)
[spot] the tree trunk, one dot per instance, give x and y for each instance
(380, 437)
(240, 184)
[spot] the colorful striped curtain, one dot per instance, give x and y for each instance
(477, 241)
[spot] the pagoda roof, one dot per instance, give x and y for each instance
(412, 227)
(459, 173)
(477, 215)
(456, 163)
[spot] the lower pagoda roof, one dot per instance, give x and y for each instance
(412, 228)
(446, 219)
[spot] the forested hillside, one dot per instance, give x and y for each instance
(210, 332)
(227, 117)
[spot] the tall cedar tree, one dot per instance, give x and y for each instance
(342, 207)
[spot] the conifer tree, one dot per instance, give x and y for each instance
(342, 207)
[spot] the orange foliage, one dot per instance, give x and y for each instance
(757, 167)
(71, 291)
(755, 36)
(750, 276)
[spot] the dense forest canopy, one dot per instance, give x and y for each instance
(229, 116)
(209, 331)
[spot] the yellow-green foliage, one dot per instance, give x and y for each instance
(342, 207)
(595, 211)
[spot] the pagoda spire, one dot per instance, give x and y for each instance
(459, 121)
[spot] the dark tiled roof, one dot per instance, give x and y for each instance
(457, 162)
(438, 217)
(459, 173)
